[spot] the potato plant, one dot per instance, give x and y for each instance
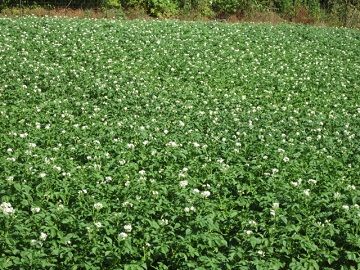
(178, 145)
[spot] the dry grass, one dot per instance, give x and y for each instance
(301, 16)
(58, 12)
(258, 17)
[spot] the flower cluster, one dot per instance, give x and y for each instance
(6, 208)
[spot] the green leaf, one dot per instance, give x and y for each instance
(17, 186)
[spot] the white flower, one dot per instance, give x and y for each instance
(164, 221)
(312, 181)
(123, 235)
(145, 142)
(35, 209)
(252, 223)
(10, 178)
(154, 192)
(98, 205)
(173, 144)
(34, 241)
(336, 195)
(127, 183)
(42, 175)
(122, 162)
(276, 205)
(196, 144)
(57, 168)
(125, 204)
(142, 172)
(43, 236)
(84, 191)
(248, 232)
(6, 208)
(261, 253)
(33, 145)
(98, 224)
(196, 190)
(286, 159)
(320, 224)
(272, 212)
(188, 209)
(60, 207)
(307, 192)
(130, 145)
(346, 207)
(295, 184)
(182, 175)
(9, 150)
(205, 193)
(128, 228)
(183, 183)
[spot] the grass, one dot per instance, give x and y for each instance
(178, 145)
(301, 16)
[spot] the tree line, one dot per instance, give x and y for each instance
(342, 10)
